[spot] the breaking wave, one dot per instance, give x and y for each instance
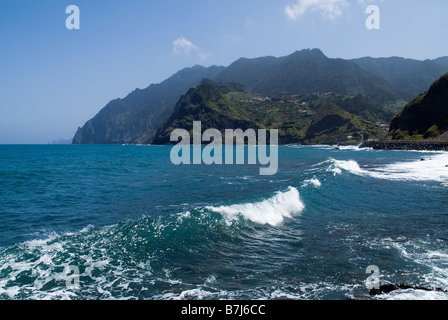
(272, 211)
(139, 259)
(433, 168)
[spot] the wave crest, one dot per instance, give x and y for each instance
(272, 211)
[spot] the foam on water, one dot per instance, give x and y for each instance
(312, 182)
(418, 252)
(40, 269)
(130, 259)
(353, 148)
(303, 291)
(432, 168)
(436, 261)
(272, 211)
(414, 295)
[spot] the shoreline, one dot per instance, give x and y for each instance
(406, 145)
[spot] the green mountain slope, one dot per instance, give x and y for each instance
(299, 118)
(426, 117)
(206, 103)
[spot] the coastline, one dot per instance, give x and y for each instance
(406, 145)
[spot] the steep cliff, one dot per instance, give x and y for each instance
(426, 117)
(135, 119)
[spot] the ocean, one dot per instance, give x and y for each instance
(123, 222)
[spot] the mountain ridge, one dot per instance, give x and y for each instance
(136, 118)
(409, 76)
(306, 71)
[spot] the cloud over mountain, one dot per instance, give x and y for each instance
(330, 9)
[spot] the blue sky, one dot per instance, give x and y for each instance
(52, 80)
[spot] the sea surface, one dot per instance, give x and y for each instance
(123, 222)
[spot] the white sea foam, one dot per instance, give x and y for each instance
(351, 166)
(313, 182)
(418, 252)
(432, 168)
(42, 269)
(437, 261)
(353, 148)
(414, 295)
(333, 147)
(305, 291)
(272, 211)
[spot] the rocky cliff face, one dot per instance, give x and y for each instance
(426, 117)
(135, 119)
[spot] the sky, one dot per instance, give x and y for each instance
(53, 79)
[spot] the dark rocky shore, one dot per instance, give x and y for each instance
(406, 145)
(392, 287)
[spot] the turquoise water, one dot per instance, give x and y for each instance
(138, 227)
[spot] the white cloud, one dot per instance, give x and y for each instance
(368, 1)
(249, 22)
(329, 9)
(184, 45)
(203, 56)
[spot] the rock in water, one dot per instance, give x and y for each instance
(388, 288)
